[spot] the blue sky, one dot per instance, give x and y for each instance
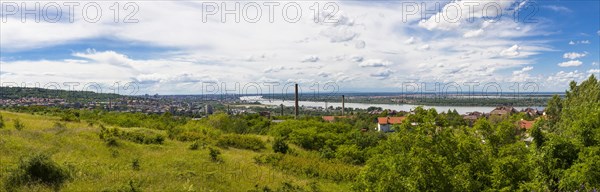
(362, 46)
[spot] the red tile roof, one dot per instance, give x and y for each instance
(328, 118)
(526, 124)
(332, 118)
(390, 120)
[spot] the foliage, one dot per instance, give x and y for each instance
(215, 154)
(241, 142)
(142, 136)
(196, 144)
(1, 121)
(279, 146)
(18, 124)
(38, 169)
(135, 164)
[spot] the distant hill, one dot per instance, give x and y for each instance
(24, 92)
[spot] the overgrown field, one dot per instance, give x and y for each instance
(127, 162)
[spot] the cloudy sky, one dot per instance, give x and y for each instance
(177, 47)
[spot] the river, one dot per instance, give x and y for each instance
(397, 107)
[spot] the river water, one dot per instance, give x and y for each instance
(397, 107)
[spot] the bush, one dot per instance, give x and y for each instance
(195, 145)
(241, 142)
(215, 154)
(1, 121)
(38, 169)
(137, 136)
(18, 125)
(135, 164)
(279, 146)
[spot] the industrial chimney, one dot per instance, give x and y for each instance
(343, 102)
(296, 102)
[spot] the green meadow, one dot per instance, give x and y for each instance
(93, 165)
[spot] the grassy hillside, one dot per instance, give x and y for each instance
(129, 166)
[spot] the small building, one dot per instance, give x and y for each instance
(333, 118)
(384, 123)
(523, 124)
(503, 110)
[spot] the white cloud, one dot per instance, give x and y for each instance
(274, 69)
(409, 41)
(360, 44)
(324, 74)
(594, 71)
(598, 32)
(357, 59)
(310, 59)
(511, 52)
(572, 63)
(574, 55)
(382, 74)
(521, 75)
(560, 9)
(108, 57)
(579, 42)
(424, 47)
(525, 69)
(565, 77)
(375, 63)
(474, 33)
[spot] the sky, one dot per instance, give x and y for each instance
(197, 47)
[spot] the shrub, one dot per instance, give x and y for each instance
(137, 136)
(18, 125)
(111, 142)
(241, 142)
(38, 169)
(69, 116)
(1, 121)
(279, 146)
(135, 164)
(195, 145)
(215, 154)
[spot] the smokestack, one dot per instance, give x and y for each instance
(343, 102)
(296, 102)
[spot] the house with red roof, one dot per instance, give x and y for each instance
(333, 118)
(524, 124)
(384, 123)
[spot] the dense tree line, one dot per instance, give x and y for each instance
(564, 154)
(24, 92)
